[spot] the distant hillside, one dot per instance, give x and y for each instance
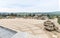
(24, 13)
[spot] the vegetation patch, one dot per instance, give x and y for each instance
(59, 20)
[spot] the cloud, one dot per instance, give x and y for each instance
(28, 5)
(59, 4)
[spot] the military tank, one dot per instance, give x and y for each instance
(50, 26)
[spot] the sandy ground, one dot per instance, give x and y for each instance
(32, 26)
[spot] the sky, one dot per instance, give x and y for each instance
(29, 5)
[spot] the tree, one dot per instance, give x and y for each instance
(49, 16)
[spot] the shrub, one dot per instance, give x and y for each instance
(59, 20)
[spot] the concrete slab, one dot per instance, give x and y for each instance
(6, 33)
(29, 35)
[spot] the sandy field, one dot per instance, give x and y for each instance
(32, 26)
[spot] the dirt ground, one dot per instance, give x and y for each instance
(33, 26)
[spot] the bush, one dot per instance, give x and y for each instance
(59, 20)
(1, 17)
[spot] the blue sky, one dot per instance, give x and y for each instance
(29, 5)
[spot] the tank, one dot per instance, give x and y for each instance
(48, 25)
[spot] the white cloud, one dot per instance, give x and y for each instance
(59, 4)
(28, 5)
